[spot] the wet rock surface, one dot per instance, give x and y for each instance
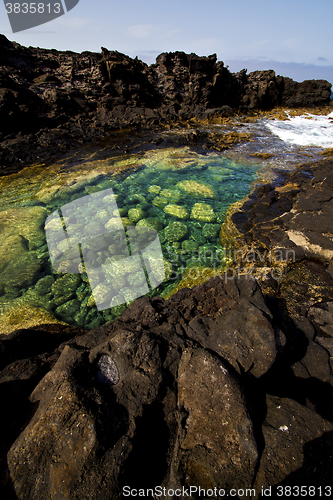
(200, 389)
(51, 101)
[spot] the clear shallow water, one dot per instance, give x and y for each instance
(182, 195)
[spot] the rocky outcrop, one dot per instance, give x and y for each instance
(197, 390)
(51, 100)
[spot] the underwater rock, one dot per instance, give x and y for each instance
(21, 234)
(44, 285)
(203, 212)
(66, 311)
(21, 315)
(27, 222)
(22, 272)
(189, 245)
(135, 214)
(115, 223)
(151, 222)
(135, 198)
(196, 189)
(63, 288)
(176, 211)
(175, 231)
(158, 201)
(126, 221)
(211, 231)
(171, 195)
(154, 189)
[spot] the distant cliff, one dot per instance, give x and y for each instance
(86, 95)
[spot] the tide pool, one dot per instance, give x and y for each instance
(179, 193)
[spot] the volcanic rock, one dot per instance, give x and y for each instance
(52, 100)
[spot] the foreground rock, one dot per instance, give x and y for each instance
(173, 393)
(289, 230)
(50, 100)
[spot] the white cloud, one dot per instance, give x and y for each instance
(140, 30)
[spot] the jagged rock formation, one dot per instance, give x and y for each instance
(51, 99)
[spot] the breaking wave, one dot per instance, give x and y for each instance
(304, 130)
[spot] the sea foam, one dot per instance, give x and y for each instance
(304, 130)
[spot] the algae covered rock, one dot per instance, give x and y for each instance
(67, 311)
(158, 201)
(175, 231)
(135, 214)
(154, 189)
(171, 195)
(150, 222)
(189, 245)
(203, 212)
(196, 189)
(176, 211)
(21, 273)
(63, 288)
(126, 221)
(114, 224)
(25, 221)
(19, 315)
(136, 198)
(21, 233)
(211, 230)
(44, 285)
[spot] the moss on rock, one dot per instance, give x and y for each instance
(196, 189)
(175, 231)
(176, 211)
(203, 212)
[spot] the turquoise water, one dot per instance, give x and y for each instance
(182, 195)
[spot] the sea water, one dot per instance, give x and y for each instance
(304, 130)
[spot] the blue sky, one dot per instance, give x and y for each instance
(294, 37)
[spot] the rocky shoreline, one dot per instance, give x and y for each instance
(52, 101)
(227, 385)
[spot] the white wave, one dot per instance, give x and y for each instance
(304, 130)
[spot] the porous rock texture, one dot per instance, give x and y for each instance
(155, 397)
(294, 217)
(194, 390)
(52, 100)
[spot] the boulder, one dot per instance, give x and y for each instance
(175, 231)
(185, 384)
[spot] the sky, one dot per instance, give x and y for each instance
(293, 37)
